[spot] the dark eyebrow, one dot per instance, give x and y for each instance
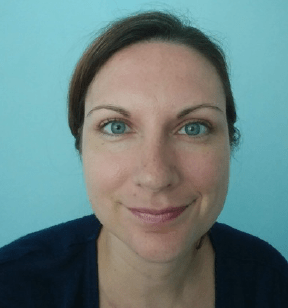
(186, 111)
(123, 111)
(127, 114)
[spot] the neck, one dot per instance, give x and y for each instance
(150, 284)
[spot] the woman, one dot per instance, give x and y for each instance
(152, 113)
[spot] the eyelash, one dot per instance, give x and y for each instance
(108, 121)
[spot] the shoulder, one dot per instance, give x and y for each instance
(249, 271)
(235, 244)
(51, 240)
(43, 266)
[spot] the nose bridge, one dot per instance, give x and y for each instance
(157, 169)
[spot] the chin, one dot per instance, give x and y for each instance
(161, 247)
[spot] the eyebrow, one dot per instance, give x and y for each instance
(180, 115)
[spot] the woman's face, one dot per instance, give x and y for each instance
(155, 136)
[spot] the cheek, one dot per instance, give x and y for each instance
(209, 171)
(104, 171)
(100, 174)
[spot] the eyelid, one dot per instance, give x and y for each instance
(207, 127)
(107, 121)
(204, 122)
(103, 123)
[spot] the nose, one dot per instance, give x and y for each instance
(157, 168)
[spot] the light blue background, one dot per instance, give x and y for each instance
(41, 178)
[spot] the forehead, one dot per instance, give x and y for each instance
(159, 69)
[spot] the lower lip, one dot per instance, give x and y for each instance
(160, 218)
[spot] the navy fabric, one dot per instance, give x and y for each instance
(57, 267)
(249, 271)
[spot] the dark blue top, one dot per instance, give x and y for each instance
(57, 268)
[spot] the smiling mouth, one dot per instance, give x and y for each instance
(157, 216)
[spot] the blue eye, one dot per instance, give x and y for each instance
(114, 127)
(194, 129)
(117, 127)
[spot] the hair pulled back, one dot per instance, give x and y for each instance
(147, 26)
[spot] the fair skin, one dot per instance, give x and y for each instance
(151, 160)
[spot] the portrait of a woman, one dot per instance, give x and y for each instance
(153, 116)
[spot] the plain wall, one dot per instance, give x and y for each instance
(41, 181)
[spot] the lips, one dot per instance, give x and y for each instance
(157, 216)
(158, 212)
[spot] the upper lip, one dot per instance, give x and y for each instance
(158, 212)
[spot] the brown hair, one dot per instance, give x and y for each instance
(145, 26)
